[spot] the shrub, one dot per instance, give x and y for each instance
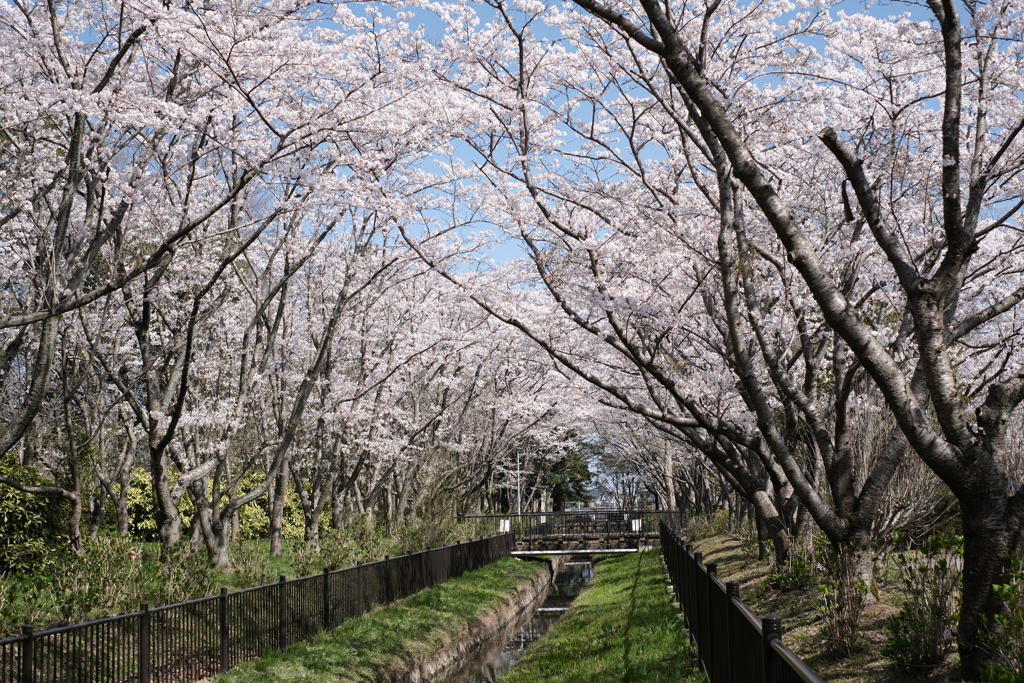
(29, 601)
(105, 579)
(746, 532)
(415, 534)
(251, 566)
(798, 571)
(1005, 642)
(8, 618)
(699, 526)
(186, 575)
(361, 541)
(998, 674)
(368, 541)
(33, 528)
(843, 596)
(922, 634)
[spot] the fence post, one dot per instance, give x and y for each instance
(327, 599)
(696, 624)
(225, 633)
(732, 590)
(144, 643)
(387, 580)
(27, 648)
(694, 598)
(713, 665)
(771, 629)
(282, 613)
(359, 588)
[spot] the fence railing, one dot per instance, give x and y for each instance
(576, 523)
(734, 645)
(200, 638)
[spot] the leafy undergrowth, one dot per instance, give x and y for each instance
(802, 620)
(115, 573)
(623, 627)
(373, 647)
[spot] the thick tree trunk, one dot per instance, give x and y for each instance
(986, 547)
(277, 513)
(311, 532)
(860, 558)
(165, 509)
(339, 510)
(97, 511)
(121, 504)
(219, 555)
(773, 525)
(214, 529)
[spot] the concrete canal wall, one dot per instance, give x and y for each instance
(483, 637)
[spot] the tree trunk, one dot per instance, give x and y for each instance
(121, 504)
(219, 555)
(165, 510)
(762, 538)
(311, 533)
(277, 513)
(773, 526)
(97, 511)
(986, 546)
(204, 521)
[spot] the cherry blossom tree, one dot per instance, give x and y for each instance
(687, 206)
(950, 413)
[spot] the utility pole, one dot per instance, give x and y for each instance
(519, 490)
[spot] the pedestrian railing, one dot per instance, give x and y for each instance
(200, 638)
(576, 523)
(733, 645)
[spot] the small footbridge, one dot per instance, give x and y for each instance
(570, 532)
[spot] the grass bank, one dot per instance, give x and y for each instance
(623, 627)
(378, 643)
(803, 621)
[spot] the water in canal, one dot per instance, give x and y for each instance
(568, 583)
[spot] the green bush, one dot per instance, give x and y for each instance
(187, 575)
(798, 571)
(922, 634)
(33, 528)
(8, 618)
(251, 565)
(105, 579)
(415, 534)
(361, 541)
(29, 601)
(997, 674)
(1005, 641)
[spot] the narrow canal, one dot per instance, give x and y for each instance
(569, 581)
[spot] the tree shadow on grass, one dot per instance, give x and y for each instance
(627, 637)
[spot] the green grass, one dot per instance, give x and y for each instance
(374, 646)
(623, 627)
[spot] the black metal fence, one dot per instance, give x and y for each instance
(200, 638)
(734, 645)
(597, 523)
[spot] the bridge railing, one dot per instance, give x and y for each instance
(733, 645)
(596, 523)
